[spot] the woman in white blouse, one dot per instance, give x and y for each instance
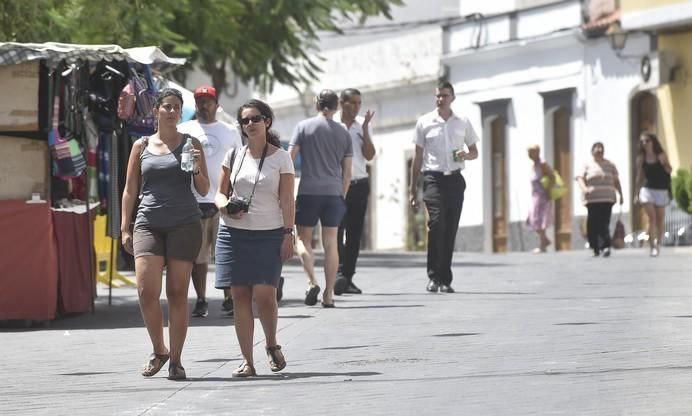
(255, 237)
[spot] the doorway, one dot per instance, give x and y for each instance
(416, 218)
(644, 118)
(563, 206)
(499, 184)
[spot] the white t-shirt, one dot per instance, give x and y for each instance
(216, 138)
(438, 138)
(265, 209)
(358, 170)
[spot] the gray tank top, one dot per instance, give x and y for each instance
(167, 198)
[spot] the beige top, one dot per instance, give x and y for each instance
(601, 176)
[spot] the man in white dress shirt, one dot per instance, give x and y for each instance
(217, 138)
(351, 228)
(444, 141)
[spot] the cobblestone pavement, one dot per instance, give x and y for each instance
(553, 334)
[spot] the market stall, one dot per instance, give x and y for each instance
(66, 145)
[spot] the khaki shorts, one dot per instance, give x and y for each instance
(180, 242)
(210, 227)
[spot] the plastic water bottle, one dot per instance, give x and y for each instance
(186, 160)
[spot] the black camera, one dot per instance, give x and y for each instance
(237, 204)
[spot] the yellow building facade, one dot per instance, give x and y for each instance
(670, 21)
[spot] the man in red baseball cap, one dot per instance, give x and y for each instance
(206, 91)
(217, 139)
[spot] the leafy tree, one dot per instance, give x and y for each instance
(682, 189)
(261, 41)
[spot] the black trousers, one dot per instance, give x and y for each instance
(598, 225)
(444, 198)
(351, 227)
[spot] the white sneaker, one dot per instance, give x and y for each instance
(654, 252)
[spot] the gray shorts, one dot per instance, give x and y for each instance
(180, 242)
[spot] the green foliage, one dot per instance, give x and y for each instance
(682, 189)
(261, 41)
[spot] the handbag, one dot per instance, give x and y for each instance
(618, 240)
(558, 190)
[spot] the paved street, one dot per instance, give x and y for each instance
(554, 334)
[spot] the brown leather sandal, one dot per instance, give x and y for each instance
(277, 361)
(176, 372)
(156, 362)
(244, 370)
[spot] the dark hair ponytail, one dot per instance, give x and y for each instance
(327, 100)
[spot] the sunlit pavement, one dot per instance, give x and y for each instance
(556, 333)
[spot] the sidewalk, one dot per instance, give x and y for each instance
(560, 333)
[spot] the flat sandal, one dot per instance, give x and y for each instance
(245, 369)
(154, 365)
(277, 361)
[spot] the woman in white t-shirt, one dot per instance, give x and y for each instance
(255, 238)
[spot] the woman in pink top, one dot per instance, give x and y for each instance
(541, 212)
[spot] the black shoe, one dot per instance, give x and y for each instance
(432, 286)
(446, 289)
(280, 289)
(201, 309)
(311, 295)
(353, 289)
(606, 252)
(227, 304)
(341, 285)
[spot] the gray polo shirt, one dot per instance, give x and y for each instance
(324, 143)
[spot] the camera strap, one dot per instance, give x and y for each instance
(259, 169)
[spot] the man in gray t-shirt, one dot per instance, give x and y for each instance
(326, 151)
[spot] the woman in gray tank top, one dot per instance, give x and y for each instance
(167, 230)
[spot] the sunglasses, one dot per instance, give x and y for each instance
(255, 119)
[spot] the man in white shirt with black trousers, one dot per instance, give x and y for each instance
(443, 142)
(217, 138)
(351, 228)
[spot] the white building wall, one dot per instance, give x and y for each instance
(541, 50)
(397, 82)
(603, 84)
(389, 193)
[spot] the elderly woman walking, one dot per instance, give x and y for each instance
(599, 182)
(541, 213)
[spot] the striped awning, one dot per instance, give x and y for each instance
(15, 53)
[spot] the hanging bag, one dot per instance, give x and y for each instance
(558, 190)
(142, 121)
(68, 160)
(618, 240)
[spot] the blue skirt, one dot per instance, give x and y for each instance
(248, 257)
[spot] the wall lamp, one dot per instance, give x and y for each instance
(617, 37)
